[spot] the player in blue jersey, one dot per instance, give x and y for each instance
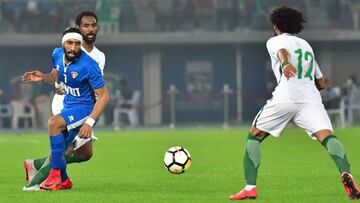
(81, 150)
(81, 78)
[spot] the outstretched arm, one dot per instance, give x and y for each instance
(38, 76)
(103, 98)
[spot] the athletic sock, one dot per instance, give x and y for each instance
(64, 175)
(57, 146)
(337, 153)
(39, 162)
(42, 174)
(251, 159)
(44, 171)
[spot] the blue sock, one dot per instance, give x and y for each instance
(64, 175)
(57, 146)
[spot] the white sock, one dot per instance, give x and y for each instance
(249, 187)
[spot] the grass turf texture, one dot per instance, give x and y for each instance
(127, 167)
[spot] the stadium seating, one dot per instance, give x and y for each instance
(339, 113)
(131, 111)
(5, 113)
(43, 110)
(354, 104)
(25, 111)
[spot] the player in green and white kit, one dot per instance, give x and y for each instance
(296, 98)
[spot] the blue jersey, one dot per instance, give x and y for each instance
(79, 78)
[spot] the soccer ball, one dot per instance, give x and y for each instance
(177, 160)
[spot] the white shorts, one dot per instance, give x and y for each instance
(56, 106)
(273, 117)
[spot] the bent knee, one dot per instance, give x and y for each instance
(56, 123)
(259, 134)
(322, 134)
(52, 123)
(85, 156)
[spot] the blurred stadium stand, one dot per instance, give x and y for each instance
(196, 45)
(50, 16)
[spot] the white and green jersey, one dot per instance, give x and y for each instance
(98, 56)
(301, 88)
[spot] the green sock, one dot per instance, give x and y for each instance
(337, 153)
(73, 158)
(39, 162)
(42, 174)
(251, 159)
(44, 171)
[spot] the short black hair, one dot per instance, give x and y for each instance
(286, 19)
(82, 14)
(71, 29)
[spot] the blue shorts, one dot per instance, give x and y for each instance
(74, 118)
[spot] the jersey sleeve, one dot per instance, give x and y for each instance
(102, 64)
(274, 44)
(96, 79)
(318, 74)
(53, 57)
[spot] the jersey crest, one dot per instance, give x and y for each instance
(79, 78)
(74, 74)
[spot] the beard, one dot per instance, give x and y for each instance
(71, 58)
(88, 40)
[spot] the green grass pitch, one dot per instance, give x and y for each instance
(127, 167)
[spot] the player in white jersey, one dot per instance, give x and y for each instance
(81, 149)
(296, 98)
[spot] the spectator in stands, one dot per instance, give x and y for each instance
(343, 14)
(18, 8)
(183, 15)
(26, 16)
(242, 14)
(128, 21)
(224, 15)
(331, 96)
(355, 8)
(350, 84)
(164, 15)
(109, 13)
(51, 15)
(34, 21)
(258, 19)
(125, 94)
(204, 14)
(6, 11)
(145, 14)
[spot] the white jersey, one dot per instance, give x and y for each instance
(98, 56)
(296, 98)
(301, 88)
